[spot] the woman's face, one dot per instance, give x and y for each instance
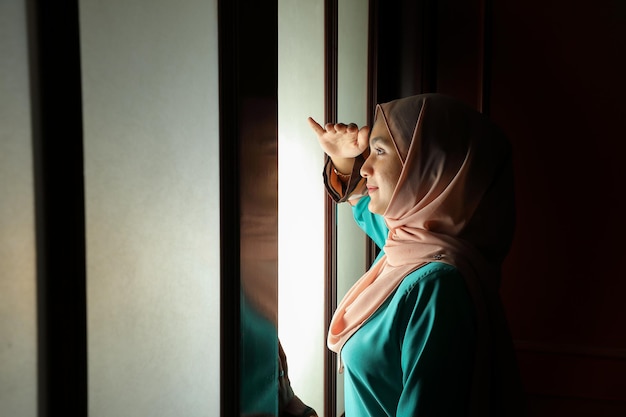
(381, 169)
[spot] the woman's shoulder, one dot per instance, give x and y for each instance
(432, 273)
(436, 289)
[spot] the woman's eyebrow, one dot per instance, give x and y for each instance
(374, 140)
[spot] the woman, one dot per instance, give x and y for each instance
(422, 333)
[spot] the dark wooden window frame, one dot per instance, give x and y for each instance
(330, 217)
(57, 129)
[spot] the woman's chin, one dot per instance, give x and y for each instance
(374, 208)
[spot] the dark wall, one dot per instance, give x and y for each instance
(551, 74)
(557, 88)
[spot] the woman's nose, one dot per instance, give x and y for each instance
(366, 168)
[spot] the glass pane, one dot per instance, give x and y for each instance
(301, 196)
(150, 95)
(18, 313)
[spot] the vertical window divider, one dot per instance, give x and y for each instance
(57, 126)
(330, 235)
(228, 40)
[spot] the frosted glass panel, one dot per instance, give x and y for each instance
(18, 328)
(150, 91)
(301, 196)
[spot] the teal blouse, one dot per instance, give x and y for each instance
(414, 356)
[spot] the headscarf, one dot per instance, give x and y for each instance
(453, 203)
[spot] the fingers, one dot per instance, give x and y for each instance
(340, 128)
(344, 128)
(315, 126)
(328, 127)
(334, 127)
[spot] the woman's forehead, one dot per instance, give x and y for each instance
(379, 131)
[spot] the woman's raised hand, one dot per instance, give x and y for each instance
(341, 141)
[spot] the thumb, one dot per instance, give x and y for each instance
(319, 130)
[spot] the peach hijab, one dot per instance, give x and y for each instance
(453, 203)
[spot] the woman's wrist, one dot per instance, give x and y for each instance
(342, 167)
(341, 176)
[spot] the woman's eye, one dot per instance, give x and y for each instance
(378, 151)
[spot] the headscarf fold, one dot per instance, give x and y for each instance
(453, 203)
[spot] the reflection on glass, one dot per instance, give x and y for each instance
(259, 258)
(259, 344)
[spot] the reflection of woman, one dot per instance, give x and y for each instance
(289, 404)
(262, 377)
(422, 333)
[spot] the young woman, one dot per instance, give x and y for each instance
(423, 333)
